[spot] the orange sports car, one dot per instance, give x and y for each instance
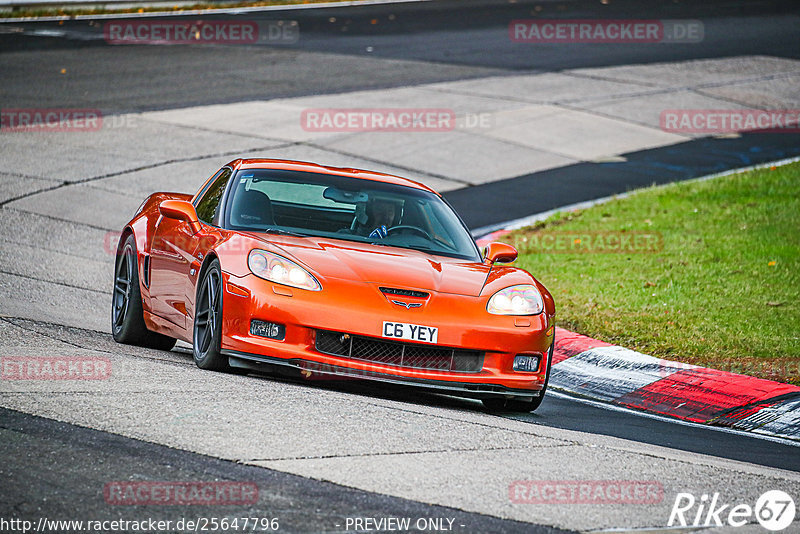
(325, 272)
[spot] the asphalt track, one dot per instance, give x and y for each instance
(66, 467)
(423, 43)
(42, 447)
(408, 44)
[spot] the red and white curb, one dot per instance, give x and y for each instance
(615, 375)
(597, 370)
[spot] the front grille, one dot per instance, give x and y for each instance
(399, 354)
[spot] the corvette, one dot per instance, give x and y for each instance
(335, 273)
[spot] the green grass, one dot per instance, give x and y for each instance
(722, 291)
(54, 11)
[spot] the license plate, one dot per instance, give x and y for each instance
(411, 332)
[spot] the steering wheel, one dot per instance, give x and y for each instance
(414, 230)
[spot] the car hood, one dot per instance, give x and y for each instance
(387, 266)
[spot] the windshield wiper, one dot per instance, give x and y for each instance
(281, 231)
(400, 245)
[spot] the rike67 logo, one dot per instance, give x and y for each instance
(774, 510)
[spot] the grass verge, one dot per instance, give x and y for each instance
(706, 272)
(61, 11)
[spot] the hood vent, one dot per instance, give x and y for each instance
(404, 292)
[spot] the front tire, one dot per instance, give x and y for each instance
(207, 330)
(127, 315)
(519, 405)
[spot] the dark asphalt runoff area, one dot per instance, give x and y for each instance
(51, 468)
(562, 186)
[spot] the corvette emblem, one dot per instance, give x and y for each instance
(407, 305)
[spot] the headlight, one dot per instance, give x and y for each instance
(280, 270)
(516, 300)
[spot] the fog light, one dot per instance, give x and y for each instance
(526, 363)
(265, 329)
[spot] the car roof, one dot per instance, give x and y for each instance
(304, 166)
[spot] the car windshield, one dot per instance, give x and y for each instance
(351, 209)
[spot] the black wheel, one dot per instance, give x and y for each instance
(520, 405)
(208, 321)
(127, 317)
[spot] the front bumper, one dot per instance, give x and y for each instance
(360, 309)
(310, 369)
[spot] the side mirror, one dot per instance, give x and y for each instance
(500, 253)
(180, 210)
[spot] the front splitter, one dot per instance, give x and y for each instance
(309, 368)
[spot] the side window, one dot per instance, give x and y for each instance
(209, 205)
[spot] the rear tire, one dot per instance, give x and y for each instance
(127, 315)
(520, 405)
(207, 329)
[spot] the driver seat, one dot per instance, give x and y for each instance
(253, 208)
